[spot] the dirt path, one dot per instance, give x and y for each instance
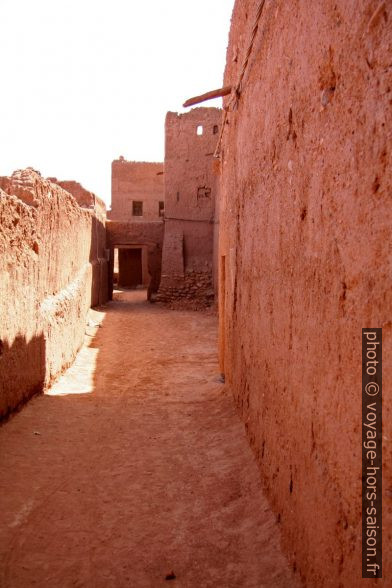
(135, 465)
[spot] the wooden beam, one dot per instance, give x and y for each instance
(208, 96)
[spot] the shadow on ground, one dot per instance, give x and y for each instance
(134, 466)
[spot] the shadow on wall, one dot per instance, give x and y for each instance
(154, 269)
(23, 363)
(22, 372)
(99, 261)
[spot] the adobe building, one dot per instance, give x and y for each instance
(304, 263)
(137, 191)
(135, 226)
(191, 187)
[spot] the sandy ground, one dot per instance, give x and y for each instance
(135, 465)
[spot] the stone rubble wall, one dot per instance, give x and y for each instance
(195, 289)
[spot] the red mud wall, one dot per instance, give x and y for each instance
(190, 194)
(140, 181)
(305, 230)
(98, 254)
(52, 268)
(83, 197)
(148, 235)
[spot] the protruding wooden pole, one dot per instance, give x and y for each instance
(208, 96)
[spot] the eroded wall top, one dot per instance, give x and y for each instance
(84, 198)
(52, 269)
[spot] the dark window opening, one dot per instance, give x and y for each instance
(161, 208)
(137, 208)
(203, 192)
(215, 129)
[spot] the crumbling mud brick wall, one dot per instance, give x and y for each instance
(149, 236)
(304, 263)
(136, 181)
(83, 197)
(49, 246)
(190, 194)
(98, 254)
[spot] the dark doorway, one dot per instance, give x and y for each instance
(130, 268)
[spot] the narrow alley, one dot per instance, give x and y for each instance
(134, 469)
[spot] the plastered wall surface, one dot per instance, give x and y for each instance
(136, 181)
(305, 264)
(52, 268)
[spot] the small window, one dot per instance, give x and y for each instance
(203, 192)
(215, 129)
(199, 130)
(161, 208)
(137, 208)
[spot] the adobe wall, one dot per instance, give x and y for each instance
(140, 181)
(98, 256)
(190, 194)
(148, 236)
(49, 247)
(305, 232)
(216, 231)
(84, 198)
